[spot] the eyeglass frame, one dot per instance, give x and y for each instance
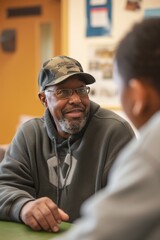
(70, 91)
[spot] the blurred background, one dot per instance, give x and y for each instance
(32, 31)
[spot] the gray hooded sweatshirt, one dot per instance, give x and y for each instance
(38, 163)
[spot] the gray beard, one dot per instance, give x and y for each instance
(72, 127)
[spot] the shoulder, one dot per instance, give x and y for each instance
(106, 114)
(32, 123)
(107, 121)
(29, 133)
(30, 128)
(110, 119)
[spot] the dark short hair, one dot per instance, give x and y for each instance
(138, 53)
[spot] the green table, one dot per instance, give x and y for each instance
(18, 231)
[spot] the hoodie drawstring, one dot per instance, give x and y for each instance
(58, 171)
(70, 163)
(58, 168)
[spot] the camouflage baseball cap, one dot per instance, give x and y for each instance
(60, 68)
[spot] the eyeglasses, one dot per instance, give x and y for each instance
(67, 93)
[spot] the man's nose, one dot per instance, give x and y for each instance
(75, 98)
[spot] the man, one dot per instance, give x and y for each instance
(56, 162)
(129, 207)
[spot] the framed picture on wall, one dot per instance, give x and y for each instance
(100, 65)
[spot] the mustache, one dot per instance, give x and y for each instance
(74, 107)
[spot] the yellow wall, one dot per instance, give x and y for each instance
(19, 69)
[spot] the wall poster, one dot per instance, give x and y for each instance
(99, 17)
(100, 65)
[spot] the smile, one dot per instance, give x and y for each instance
(74, 113)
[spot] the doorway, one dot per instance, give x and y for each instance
(37, 37)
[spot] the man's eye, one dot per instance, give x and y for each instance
(82, 91)
(62, 92)
(59, 92)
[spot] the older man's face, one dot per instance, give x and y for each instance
(70, 113)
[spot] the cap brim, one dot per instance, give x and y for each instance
(87, 78)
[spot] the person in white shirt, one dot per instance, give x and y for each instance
(129, 206)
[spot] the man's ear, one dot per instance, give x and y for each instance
(139, 95)
(42, 98)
